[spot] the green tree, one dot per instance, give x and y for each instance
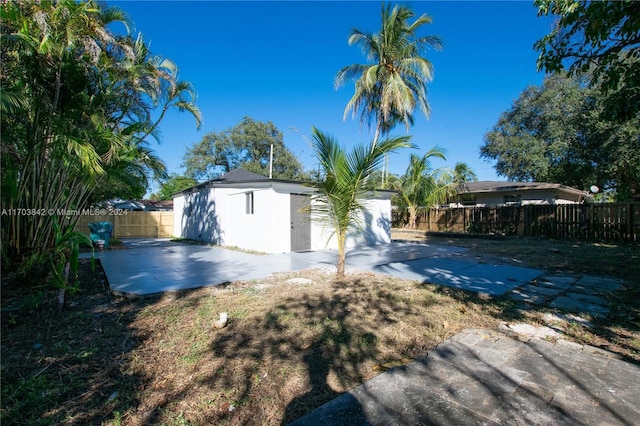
(462, 174)
(77, 105)
(599, 40)
(382, 180)
(341, 193)
(388, 89)
(557, 133)
(247, 145)
(423, 186)
(174, 183)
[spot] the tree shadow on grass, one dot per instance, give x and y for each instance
(275, 365)
(333, 337)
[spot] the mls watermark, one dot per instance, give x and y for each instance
(65, 212)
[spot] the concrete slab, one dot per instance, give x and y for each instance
(158, 265)
(557, 282)
(462, 381)
(494, 280)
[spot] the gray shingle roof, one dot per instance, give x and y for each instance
(239, 175)
(491, 186)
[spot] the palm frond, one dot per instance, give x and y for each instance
(388, 90)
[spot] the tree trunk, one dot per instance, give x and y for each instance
(413, 217)
(62, 290)
(341, 254)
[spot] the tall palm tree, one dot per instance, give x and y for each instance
(390, 87)
(343, 188)
(422, 186)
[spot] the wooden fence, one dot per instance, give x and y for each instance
(610, 221)
(128, 224)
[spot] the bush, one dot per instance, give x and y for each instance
(34, 270)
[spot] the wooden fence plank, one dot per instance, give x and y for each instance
(132, 224)
(608, 221)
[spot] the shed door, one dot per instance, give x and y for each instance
(300, 223)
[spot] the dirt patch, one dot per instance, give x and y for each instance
(293, 342)
(615, 259)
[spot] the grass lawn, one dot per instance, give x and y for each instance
(293, 341)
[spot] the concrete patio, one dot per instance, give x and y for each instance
(151, 266)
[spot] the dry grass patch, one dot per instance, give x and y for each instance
(288, 348)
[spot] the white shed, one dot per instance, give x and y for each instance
(252, 212)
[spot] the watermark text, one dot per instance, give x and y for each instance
(65, 212)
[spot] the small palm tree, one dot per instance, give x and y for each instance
(341, 192)
(456, 179)
(462, 174)
(422, 186)
(388, 89)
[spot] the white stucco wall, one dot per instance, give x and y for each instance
(178, 207)
(195, 216)
(265, 230)
(375, 228)
(218, 215)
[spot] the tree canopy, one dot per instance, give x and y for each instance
(172, 184)
(388, 89)
(246, 145)
(557, 133)
(77, 105)
(599, 40)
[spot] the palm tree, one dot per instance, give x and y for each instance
(78, 101)
(422, 186)
(462, 174)
(456, 179)
(388, 89)
(341, 192)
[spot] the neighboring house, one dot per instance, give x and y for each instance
(157, 206)
(488, 193)
(253, 212)
(138, 205)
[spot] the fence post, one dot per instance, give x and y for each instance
(590, 230)
(629, 235)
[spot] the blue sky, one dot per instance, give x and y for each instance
(276, 61)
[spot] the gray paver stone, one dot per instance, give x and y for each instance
(572, 305)
(570, 344)
(535, 299)
(588, 298)
(536, 289)
(575, 402)
(605, 283)
(601, 352)
(527, 408)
